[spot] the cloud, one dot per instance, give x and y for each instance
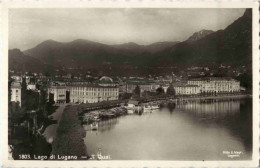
(29, 27)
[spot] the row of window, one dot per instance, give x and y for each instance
(212, 82)
(94, 93)
(94, 89)
(91, 100)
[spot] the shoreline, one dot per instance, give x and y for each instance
(88, 116)
(85, 108)
(214, 97)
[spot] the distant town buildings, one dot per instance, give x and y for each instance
(98, 89)
(17, 78)
(31, 86)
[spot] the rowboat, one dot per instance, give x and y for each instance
(94, 126)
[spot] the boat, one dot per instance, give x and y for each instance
(94, 126)
(130, 111)
(155, 107)
(147, 108)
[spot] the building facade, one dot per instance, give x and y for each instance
(83, 93)
(59, 94)
(216, 85)
(16, 92)
(186, 89)
(92, 93)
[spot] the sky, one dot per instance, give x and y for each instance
(29, 27)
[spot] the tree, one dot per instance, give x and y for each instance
(160, 90)
(245, 80)
(31, 100)
(23, 91)
(15, 113)
(171, 90)
(146, 94)
(137, 91)
(124, 96)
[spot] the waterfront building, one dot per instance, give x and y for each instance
(82, 93)
(57, 93)
(16, 92)
(186, 89)
(92, 93)
(216, 85)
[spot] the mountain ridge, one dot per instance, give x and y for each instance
(199, 35)
(231, 45)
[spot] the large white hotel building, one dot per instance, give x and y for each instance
(216, 85)
(93, 93)
(83, 93)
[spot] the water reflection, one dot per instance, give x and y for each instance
(235, 115)
(183, 131)
(212, 109)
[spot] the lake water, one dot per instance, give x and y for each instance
(190, 131)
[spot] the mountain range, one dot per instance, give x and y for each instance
(232, 46)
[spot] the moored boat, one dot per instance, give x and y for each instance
(130, 111)
(155, 107)
(94, 126)
(147, 108)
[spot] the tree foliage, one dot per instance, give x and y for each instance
(124, 96)
(160, 91)
(171, 90)
(245, 80)
(137, 91)
(15, 113)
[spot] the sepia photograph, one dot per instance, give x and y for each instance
(130, 84)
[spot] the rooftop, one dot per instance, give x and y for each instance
(212, 79)
(83, 85)
(16, 85)
(184, 85)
